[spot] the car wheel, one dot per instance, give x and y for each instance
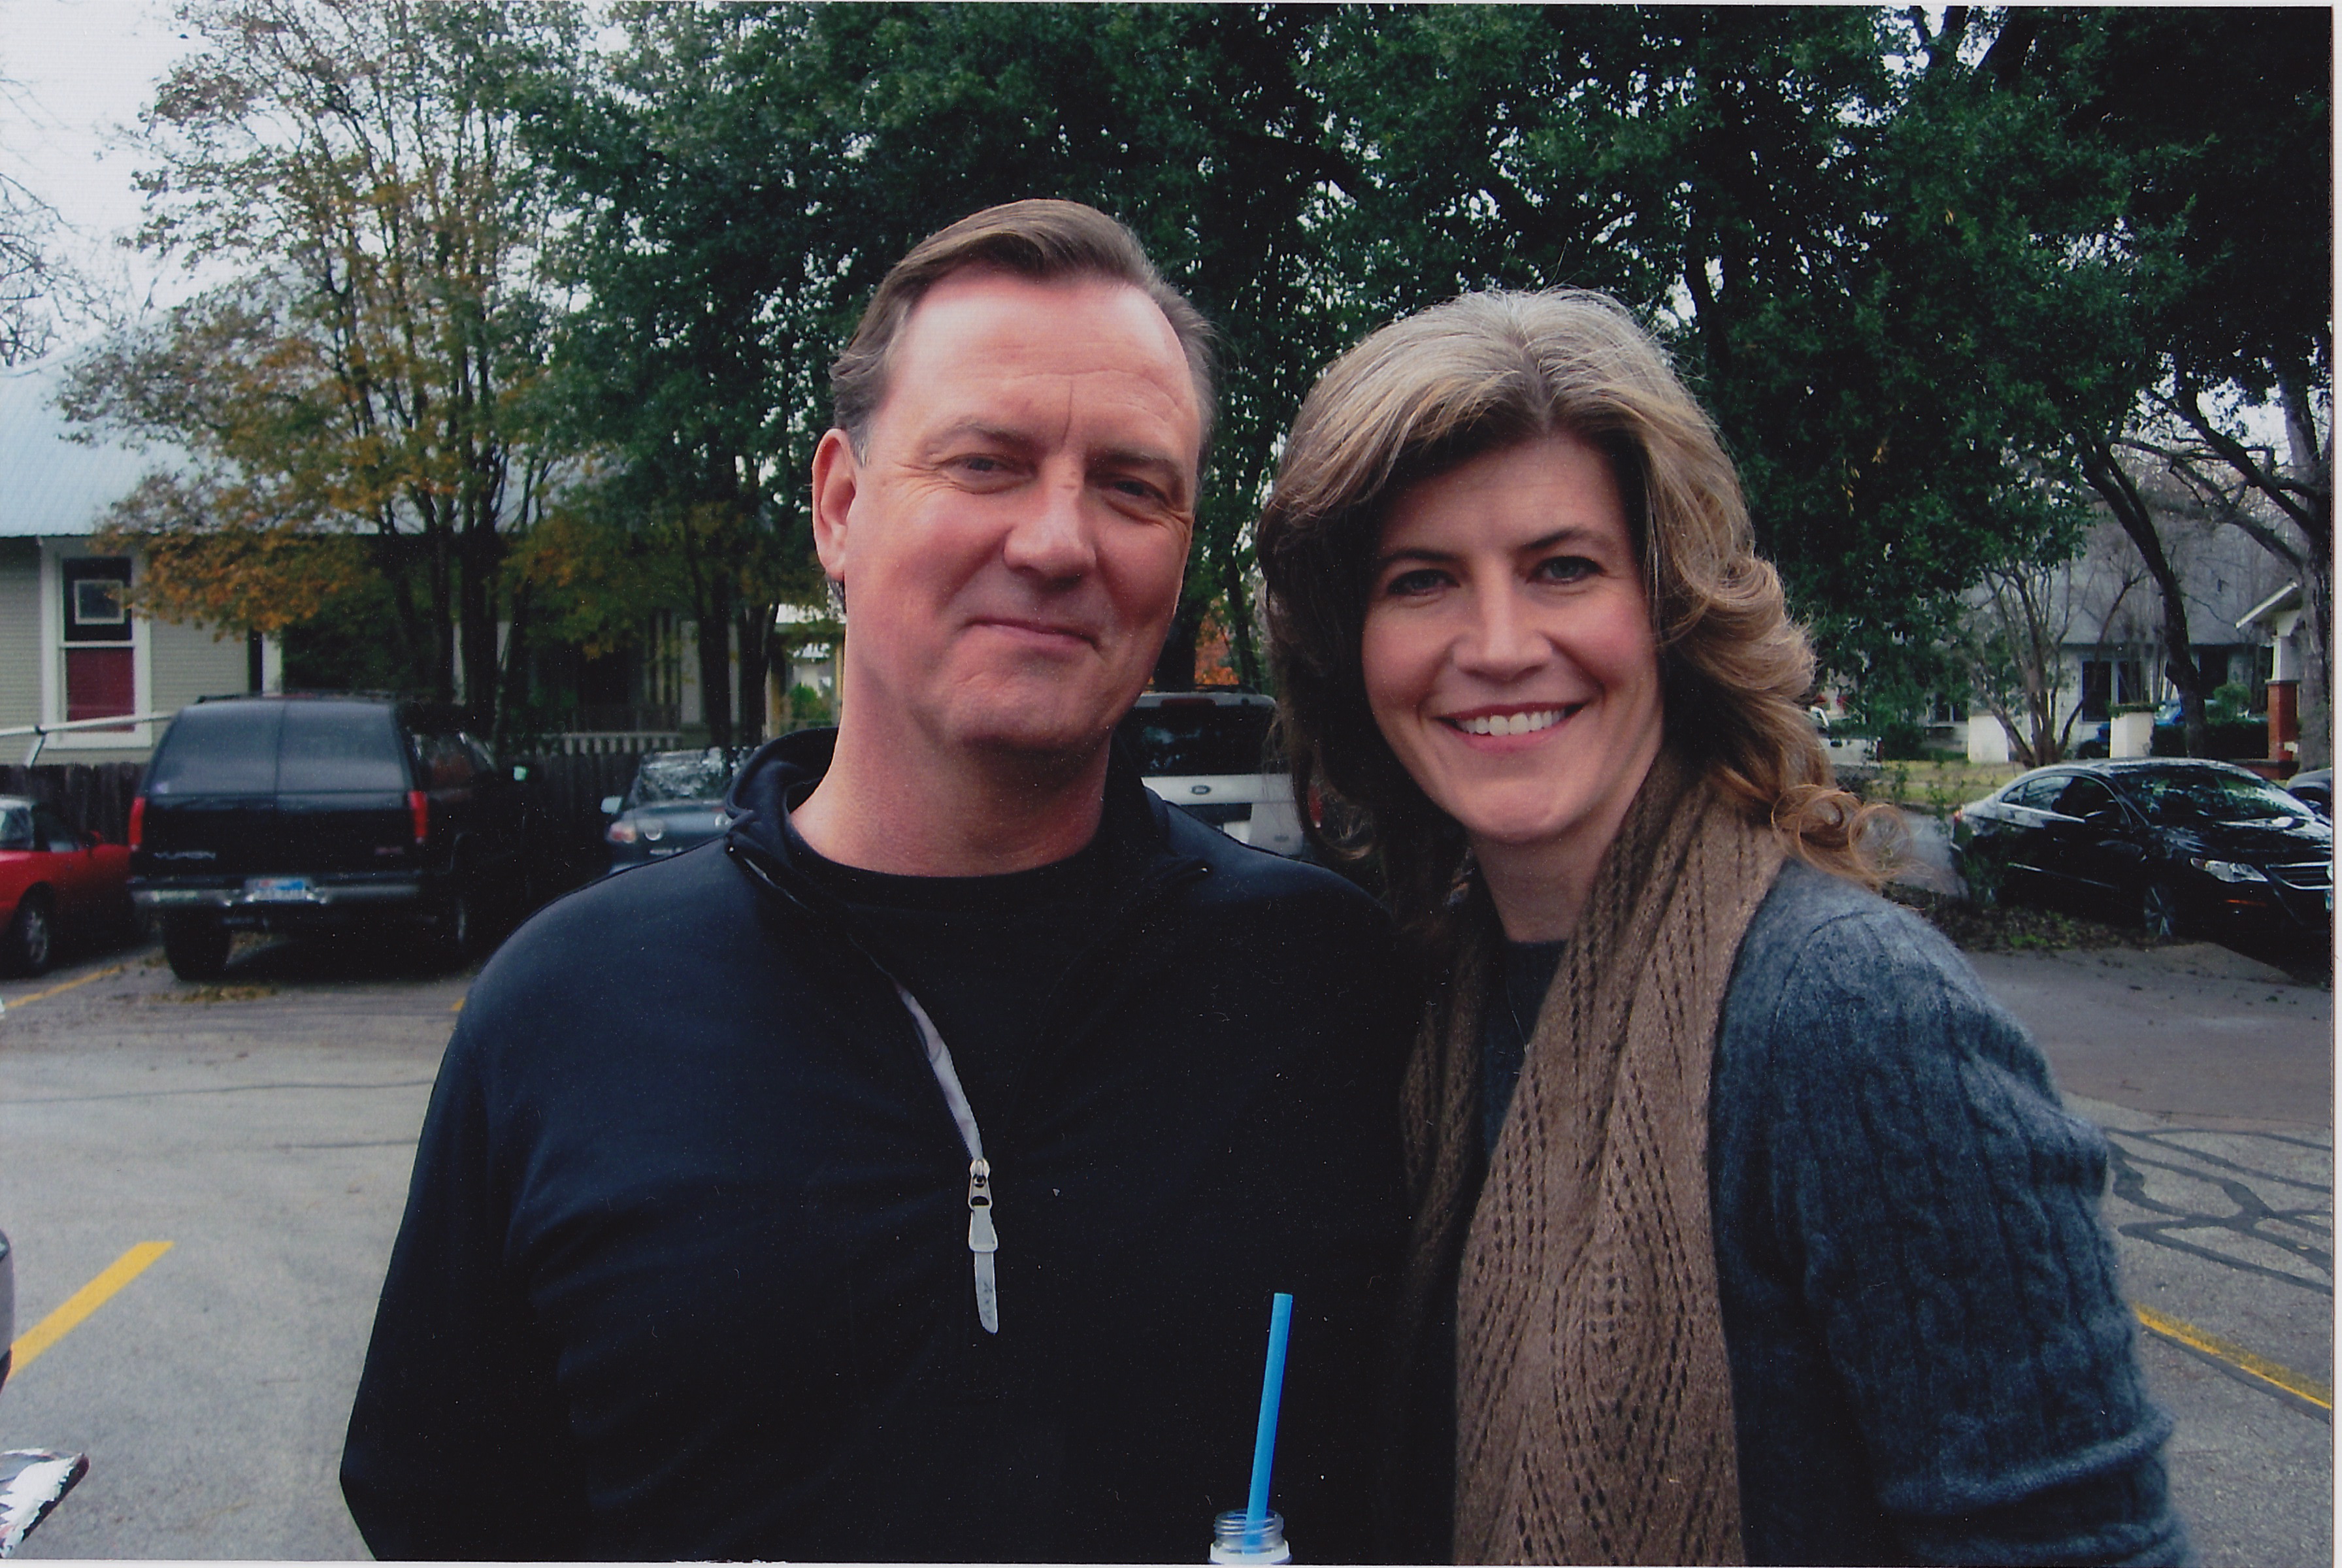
(456, 927)
(196, 947)
(2159, 911)
(32, 935)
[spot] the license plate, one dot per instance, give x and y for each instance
(277, 889)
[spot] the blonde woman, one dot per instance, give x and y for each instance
(1747, 1226)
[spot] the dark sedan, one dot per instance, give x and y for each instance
(2317, 788)
(675, 803)
(2174, 845)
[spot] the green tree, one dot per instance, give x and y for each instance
(2225, 121)
(1817, 222)
(370, 371)
(700, 171)
(2133, 184)
(1924, 271)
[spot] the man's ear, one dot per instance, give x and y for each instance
(837, 474)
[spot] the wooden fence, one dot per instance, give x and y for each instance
(566, 791)
(93, 796)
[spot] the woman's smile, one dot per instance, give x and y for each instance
(1508, 723)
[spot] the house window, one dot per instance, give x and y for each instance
(101, 669)
(2097, 687)
(2109, 682)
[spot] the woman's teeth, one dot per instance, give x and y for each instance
(1511, 723)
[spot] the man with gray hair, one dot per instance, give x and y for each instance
(908, 1176)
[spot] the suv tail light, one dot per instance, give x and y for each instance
(419, 804)
(137, 820)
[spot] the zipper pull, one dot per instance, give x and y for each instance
(982, 1242)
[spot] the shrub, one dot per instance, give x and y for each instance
(808, 708)
(1902, 741)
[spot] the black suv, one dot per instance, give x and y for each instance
(305, 812)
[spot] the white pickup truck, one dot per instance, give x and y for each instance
(1845, 751)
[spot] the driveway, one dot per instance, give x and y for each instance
(2212, 1076)
(2193, 1031)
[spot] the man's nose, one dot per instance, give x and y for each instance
(1052, 537)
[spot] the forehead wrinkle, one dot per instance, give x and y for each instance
(1138, 389)
(1051, 428)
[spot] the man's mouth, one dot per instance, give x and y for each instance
(1527, 721)
(1047, 629)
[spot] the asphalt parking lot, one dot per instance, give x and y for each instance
(263, 1128)
(2213, 1077)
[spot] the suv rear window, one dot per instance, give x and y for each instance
(225, 749)
(338, 747)
(299, 747)
(1214, 739)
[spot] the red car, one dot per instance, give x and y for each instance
(53, 878)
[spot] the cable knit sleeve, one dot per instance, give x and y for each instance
(1932, 1358)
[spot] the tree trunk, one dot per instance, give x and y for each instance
(1175, 666)
(512, 673)
(1239, 613)
(755, 632)
(482, 666)
(2114, 486)
(439, 569)
(394, 558)
(2317, 669)
(714, 639)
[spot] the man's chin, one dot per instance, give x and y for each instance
(1032, 735)
(1035, 747)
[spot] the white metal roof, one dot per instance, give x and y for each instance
(50, 486)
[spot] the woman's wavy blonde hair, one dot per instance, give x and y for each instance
(1484, 374)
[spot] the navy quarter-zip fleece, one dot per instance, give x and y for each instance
(685, 1269)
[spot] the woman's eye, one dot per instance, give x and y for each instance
(1421, 580)
(1565, 569)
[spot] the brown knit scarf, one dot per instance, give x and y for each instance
(1594, 1403)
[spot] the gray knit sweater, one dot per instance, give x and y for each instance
(1931, 1356)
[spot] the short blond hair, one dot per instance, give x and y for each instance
(1483, 373)
(1042, 239)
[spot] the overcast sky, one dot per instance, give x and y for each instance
(72, 74)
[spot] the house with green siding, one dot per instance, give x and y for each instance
(71, 646)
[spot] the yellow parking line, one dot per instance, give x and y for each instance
(84, 1301)
(2296, 1383)
(458, 1007)
(68, 985)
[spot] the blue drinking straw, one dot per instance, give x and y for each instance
(1263, 1445)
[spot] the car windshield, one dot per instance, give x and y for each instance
(2175, 795)
(681, 776)
(1208, 738)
